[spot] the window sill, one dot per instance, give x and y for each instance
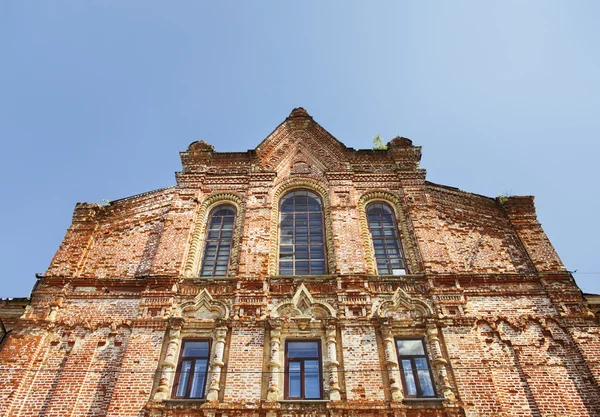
(177, 401)
(315, 277)
(423, 400)
(210, 278)
(389, 276)
(299, 400)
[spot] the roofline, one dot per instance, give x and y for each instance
(448, 187)
(307, 116)
(142, 194)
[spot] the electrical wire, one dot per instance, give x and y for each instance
(343, 371)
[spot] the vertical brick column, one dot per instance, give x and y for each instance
(439, 362)
(332, 363)
(217, 364)
(275, 365)
(391, 363)
(168, 366)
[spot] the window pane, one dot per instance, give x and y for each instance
(424, 377)
(183, 378)
(303, 350)
(195, 349)
(294, 380)
(225, 211)
(198, 380)
(287, 207)
(317, 265)
(301, 268)
(315, 220)
(312, 385)
(410, 347)
(396, 264)
(317, 268)
(302, 255)
(411, 387)
(314, 207)
(316, 251)
(301, 239)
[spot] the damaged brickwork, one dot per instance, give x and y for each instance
(505, 329)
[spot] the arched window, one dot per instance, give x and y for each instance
(219, 236)
(384, 234)
(301, 237)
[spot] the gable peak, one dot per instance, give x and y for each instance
(299, 112)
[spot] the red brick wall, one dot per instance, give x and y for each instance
(515, 339)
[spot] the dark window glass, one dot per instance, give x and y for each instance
(301, 236)
(190, 381)
(303, 369)
(219, 237)
(414, 367)
(388, 251)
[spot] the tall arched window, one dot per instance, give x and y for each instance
(219, 236)
(384, 234)
(301, 237)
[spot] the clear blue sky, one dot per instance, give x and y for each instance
(98, 97)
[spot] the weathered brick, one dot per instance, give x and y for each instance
(506, 330)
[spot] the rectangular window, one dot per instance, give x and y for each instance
(414, 367)
(303, 369)
(190, 380)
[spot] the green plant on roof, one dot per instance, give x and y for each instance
(378, 143)
(502, 198)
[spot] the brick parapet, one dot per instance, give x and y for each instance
(521, 212)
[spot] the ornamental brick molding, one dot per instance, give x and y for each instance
(203, 307)
(303, 306)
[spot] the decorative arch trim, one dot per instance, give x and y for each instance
(279, 191)
(203, 306)
(406, 233)
(401, 300)
(302, 305)
(192, 263)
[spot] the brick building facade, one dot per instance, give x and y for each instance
(302, 278)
